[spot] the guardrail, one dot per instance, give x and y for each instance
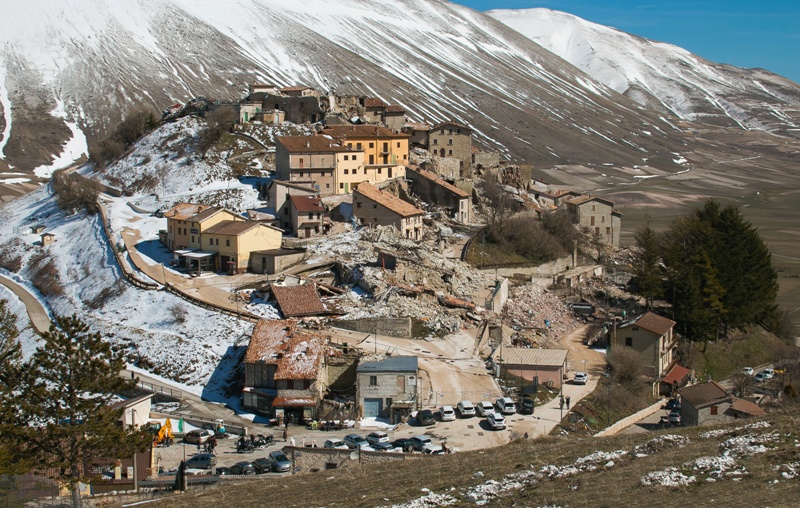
(207, 305)
(160, 389)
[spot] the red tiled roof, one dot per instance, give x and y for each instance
(298, 88)
(438, 181)
(585, 199)
(703, 394)
(395, 108)
(296, 301)
(654, 323)
(361, 131)
(453, 123)
(296, 355)
(306, 203)
(235, 227)
(387, 200)
(747, 407)
(676, 374)
(309, 144)
(374, 102)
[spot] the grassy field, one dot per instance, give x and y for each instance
(724, 358)
(553, 471)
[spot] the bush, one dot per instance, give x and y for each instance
(10, 257)
(133, 126)
(625, 366)
(74, 192)
(106, 294)
(45, 276)
(218, 122)
(179, 313)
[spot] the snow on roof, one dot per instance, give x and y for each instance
(182, 211)
(296, 355)
(297, 301)
(386, 200)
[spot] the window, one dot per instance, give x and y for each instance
(192, 238)
(211, 241)
(602, 218)
(310, 215)
(375, 206)
(373, 380)
(449, 152)
(372, 145)
(592, 207)
(388, 401)
(346, 171)
(449, 131)
(592, 220)
(327, 186)
(227, 242)
(435, 141)
(608, 231)
(358, 205)
(405, 157)
(441, 131)
(341, 185)
(301, 160)
(449, 141)
(349, 145)
(372, 159)
(346, 157)
(301, 174)
(714, 410)
(217, 242)
(458, 131)
(379, 171)
(628, 341)
(358, 146)
(398, 146)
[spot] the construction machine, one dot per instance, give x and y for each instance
(162, 434)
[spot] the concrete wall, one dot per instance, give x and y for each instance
(703, 416)
(270, 263)
(340, 372)
(545, 270)
(499, 296)
(393, 327)
(390, 387)
(529, 372)
(318, 459)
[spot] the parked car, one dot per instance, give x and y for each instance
(465, 409)
(335, 444)
(201, 461)
(223, 471)
(770, 373)
(673, 405)
(354, 441)
(197, 436)
(382, 446)
(448, 413)
(525, 406)
(262, 465)
(280, 462)
(405, 444)
(425, 417)
(377, 437)
(747, 371)
(419, 443)
(484, 408)
(580, 378)
(433, 451)
(761, 377)
(675, 417)
(496, 421)
(243, 467)
(506, 406)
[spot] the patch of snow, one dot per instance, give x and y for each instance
(71, 151)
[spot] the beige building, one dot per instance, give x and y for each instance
(303, 158)
(349, 171)
(278, 194)
(652, 337)
(299, 91)
(187, 221)
(234, 241)
(385, 152)
(307, 216)
(452, 140)
(595, 215)
(372, 206)
(540, 366)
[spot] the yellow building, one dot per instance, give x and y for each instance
(385, 151)
(233, 241)
(186, 222)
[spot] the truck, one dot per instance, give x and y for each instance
(162, 434)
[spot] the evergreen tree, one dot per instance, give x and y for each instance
(64, 399)
(10, 359)
(646, 265)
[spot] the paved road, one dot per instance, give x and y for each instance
(40, 318)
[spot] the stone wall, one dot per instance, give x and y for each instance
(340, 372)
(319, 459)
(393, 327)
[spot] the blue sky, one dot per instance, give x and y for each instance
(757, 33)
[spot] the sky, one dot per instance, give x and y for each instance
(756, 33)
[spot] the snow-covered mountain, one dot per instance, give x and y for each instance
(663, 76)
(69, 64)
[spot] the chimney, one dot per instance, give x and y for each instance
(308, 143)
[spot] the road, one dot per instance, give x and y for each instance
(40, 318)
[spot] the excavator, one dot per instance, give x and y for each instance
(162, 434)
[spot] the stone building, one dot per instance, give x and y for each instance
(303, 158)
(372, 206)
(452, 140)
(307, 216)
(432, 189)
(595, 215)
(387, 388)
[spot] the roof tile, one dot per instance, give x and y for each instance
(387, 200)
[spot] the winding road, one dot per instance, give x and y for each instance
(40, 318)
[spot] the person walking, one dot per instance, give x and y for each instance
(567, 399)
(561, 402)
(285, 434)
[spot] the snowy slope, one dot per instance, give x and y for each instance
(439, 60)
(661, 75)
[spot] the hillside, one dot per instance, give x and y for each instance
(438, 60)
(664, 77)
(742, 464)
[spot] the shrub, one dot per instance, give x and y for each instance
(179, 313)
(74, 192)
(45, 276)
(10, 257)
(218, 122)
(106, 294)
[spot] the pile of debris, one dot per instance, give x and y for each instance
(532, 306)
(604, 293)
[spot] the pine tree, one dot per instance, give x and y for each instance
(10, 371)
(646, 268)
(65, 397)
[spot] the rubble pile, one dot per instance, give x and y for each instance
(533, 306)
(604, 291)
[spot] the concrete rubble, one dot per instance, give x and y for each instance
(532, 306)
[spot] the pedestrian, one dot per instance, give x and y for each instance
(291, 441)
(313, 443)
(526, 435)
(285, 434)
(199, 444)
(567, 401)
(561, 403)
(303, 445)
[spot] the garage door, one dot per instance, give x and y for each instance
(372, 407)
